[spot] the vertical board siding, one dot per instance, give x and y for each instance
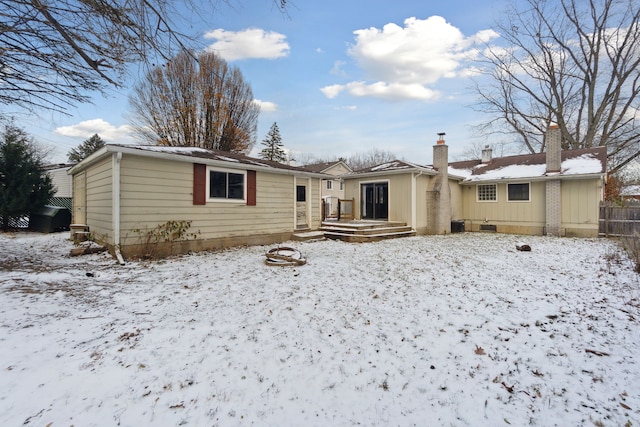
(400, 198)
(456, 200)
(580, 202)
(527, 213)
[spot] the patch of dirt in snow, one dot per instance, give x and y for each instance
(441, 330)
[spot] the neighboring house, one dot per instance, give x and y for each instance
(123, 193)
(332, 187)
(630, 192)
(556, 193)
(62, 183)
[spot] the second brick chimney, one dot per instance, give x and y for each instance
(487, 153)
(441, 187)
(553, 221)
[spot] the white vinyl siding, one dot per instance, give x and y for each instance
(155, 191)
(99, 199)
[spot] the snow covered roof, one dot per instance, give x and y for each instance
(61, 166)
(630, 190)
(325, 166)
(395, 166)
(189, 153)
(588, 161)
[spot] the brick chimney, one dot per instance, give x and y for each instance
(486, 154)
(441, 187)
(553, 221)
(553, 140)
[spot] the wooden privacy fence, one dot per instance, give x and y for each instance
(619, 221)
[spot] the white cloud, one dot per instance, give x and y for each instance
(337, 68)
(391, 91)
(106, 131)
(332, 91)
(403, 61)
(249, 43)
(266, 106)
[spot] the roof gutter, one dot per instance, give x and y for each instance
(387, 172)
(187, 159)
(535, 178)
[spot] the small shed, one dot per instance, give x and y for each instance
(50, 219)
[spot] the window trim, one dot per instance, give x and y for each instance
(207, 193)
(509, 200)
(495, 193)
(329, 184)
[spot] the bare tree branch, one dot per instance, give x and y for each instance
(55, 53)
(571, 62)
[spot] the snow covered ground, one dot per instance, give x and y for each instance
(445, 330)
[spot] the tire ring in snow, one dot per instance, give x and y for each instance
(284, 256)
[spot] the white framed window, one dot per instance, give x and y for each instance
(329, 184)
(487, 192)
(519, 192)
(341, 185)
(226, 185)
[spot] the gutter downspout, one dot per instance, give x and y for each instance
(295, 203)
(310, 204)
(115, 204)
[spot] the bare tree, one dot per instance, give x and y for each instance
(196, 101)
(54, 53)
(572, 62)
(370, 158)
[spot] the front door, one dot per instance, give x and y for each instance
(375, 200)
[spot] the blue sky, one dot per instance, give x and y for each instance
(338, 77)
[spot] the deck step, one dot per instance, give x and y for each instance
(366, 231)
(349, 237)
(309, 235)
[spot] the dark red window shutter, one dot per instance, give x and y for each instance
(251, 188)
(199, 184)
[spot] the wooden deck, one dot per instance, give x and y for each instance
(365, 231)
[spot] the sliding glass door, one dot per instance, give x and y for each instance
(375, 200)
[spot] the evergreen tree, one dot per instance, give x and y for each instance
(84, 150)
(273, 146)
(24, 184)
